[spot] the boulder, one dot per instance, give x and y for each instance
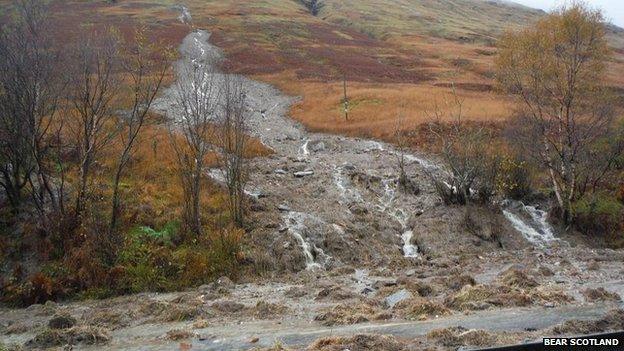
(303, 174)
(318, 146)
(397, 297)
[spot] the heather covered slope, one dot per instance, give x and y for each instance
(398, 56)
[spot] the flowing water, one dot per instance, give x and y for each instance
(296, 224)
(531, 222)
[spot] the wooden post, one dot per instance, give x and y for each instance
(346, 99)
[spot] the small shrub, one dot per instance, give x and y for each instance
(39, 289)
(514, 178)
(600, 214)
(97, 293)
(140, 260)
(164, 236)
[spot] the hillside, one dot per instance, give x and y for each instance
(398, 56)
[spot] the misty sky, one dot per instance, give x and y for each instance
(613, 9)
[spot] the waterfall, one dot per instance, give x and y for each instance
(534, 226)
(295, 222)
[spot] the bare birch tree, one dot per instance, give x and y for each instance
(401, 142)
(93, 94)
(232, 137)
(145, 66)
(31, 85)
(557, 69)
(197, 95)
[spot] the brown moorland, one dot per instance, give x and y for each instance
(400, 58)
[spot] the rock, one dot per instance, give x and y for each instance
(225, 282)
(397, 297)
(545, 271)
(385, 283)
(62, 321)
(410, 272)
(280, 171)
(358, 209)
(303, 174)
(318, 146)
(283, 208)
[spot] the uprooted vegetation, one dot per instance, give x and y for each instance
(351, 314)
(612, 321)
(85, 335)
(514, 289)
(458, 336)
(359, 342)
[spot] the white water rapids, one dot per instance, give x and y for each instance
(387, 205)
(535, 229)
(296, 224)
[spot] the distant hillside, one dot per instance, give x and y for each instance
(452, 19)
(398, 55)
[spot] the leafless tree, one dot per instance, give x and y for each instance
(233, 137)
(93, 93)
(197, 95)
(470, 171)
(144, 65)
(402, 144)
(30, 91)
